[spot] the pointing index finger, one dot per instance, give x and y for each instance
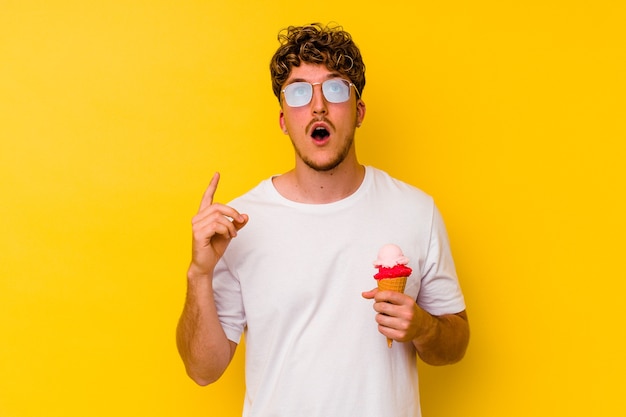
(207, 198)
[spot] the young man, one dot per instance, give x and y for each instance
(292, 271)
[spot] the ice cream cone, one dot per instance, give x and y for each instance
(396, 284)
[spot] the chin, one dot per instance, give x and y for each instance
(323, 166)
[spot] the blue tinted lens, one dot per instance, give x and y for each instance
(298, 94)
(336, 90)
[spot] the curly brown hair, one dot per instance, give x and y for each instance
(317, 44)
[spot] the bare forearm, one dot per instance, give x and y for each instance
(444, 339)
(202, 344)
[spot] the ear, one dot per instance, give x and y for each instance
(360, 112)
(281, 121)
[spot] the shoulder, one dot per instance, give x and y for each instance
(391, 187)
(262, 192)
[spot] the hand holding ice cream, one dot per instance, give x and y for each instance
(392, 271)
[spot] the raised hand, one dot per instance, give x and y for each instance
(213, 227)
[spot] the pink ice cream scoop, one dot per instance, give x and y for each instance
(391, 263)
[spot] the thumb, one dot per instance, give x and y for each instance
(241, 224)
(369, 294)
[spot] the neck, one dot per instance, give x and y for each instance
(306, 185)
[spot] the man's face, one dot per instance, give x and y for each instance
(322, 132)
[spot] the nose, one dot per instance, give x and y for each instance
(318, 101)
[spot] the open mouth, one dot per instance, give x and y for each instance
(320, 133)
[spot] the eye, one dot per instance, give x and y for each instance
(335, 86)
(336, 91)
(299, 90)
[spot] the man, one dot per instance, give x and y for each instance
(290, 273)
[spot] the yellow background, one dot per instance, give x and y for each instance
(115, 114)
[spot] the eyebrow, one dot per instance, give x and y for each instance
(328, 77)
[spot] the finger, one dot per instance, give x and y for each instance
(393, 319)
(386, 321)
(240, 223)
(369, 294)
(206, 235)
(214, 223)
(223, 210)
(385, 308)
(391, 333)
(207, 197)
(392, 297)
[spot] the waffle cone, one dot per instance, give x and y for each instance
(392, 284)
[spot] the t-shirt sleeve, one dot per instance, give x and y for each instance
(440, 292)
(229, 302)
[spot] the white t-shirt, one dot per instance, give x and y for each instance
(292, 281)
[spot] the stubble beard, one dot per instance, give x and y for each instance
(330, 165)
